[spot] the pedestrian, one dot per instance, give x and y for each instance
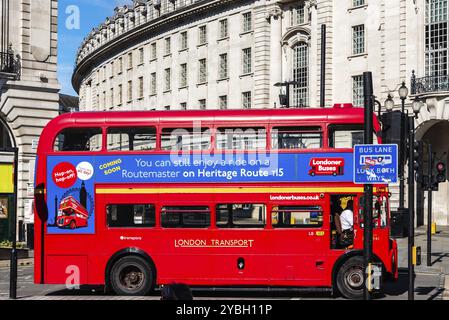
(347, 225)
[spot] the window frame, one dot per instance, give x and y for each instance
(181, 212)
(156, 137)
(230, 216)
(135, 226)
(309, 130)
(101, 149)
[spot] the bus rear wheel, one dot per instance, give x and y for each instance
(72, 225)
(131, 276)
(351, 278)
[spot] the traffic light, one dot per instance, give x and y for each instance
(418, 157)
(441, 172)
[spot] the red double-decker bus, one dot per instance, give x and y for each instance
(207, 198)
(72, 214)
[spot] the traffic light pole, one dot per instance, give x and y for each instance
(411, 205)
(429, 207)
(368, 206)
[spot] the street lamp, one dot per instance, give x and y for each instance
(284, 99)
(389, 103)
(403, 93)
(416, 105)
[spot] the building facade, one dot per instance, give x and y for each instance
(218, 54)
(28, 97)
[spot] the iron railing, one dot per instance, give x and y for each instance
(10, 64)
(429, 84)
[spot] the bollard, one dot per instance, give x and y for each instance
(434, 228)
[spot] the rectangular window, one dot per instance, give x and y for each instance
(153, 83)
(131, 215)
(185, 139)
(120, 94)
(130, 91)
(202, 35)
(202, 104)
(167, 84)
(141, 56)
(153, 51)
(223, 66)
(120, 65)
(131, 139)
(79, 139)
(130, 60)
(247, 24)
(183, 75)
(358, 3)
(112, 97)
(241, 215)
(241, 138)
(183, 41)
(202, 71)
(246, 100)
(246, 61)
(223, 29)
(183, 105)
(223, 102)
(357, 91)
(358, 39)
(185, 217)
(297, 15)
(140, 87)
(296, 138)
(167, 46)
(297, 217)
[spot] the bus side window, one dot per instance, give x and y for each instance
(129, 139)
(185, 139)
(79, 139)
(241, 215)
(297, 217)
(241, 138)
(346, 136)
(185, 217)
(131, 215)
(296, 138)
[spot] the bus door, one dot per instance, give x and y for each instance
(299, 245)
(338, 203)
(240, 243)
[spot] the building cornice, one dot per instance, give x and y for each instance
(97, 55)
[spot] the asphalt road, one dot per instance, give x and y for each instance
(429, 286)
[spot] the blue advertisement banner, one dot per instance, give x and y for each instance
(71, 180)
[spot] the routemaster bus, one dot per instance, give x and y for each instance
(210, 198)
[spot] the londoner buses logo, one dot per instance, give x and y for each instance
(326, 166)
(213, 243)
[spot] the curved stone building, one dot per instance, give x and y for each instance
(212, 54)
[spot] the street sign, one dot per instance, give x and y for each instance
(376, 163)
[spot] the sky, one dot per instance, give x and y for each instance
(71, 31)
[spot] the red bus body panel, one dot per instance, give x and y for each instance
(273, 256)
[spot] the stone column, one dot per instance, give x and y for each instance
(275, 17)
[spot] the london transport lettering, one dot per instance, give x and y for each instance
(76, 176)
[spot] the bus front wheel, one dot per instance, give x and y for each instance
(131, 276)
(350, 278)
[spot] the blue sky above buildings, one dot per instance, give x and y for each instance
(92, 13)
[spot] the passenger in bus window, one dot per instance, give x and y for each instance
(347, 223)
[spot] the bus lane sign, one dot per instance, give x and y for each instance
(375, 164)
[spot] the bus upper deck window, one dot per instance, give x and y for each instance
(347, 136)
(241, 138)
(79, 139)
(296, 138)
(131, 139)
(185, 139)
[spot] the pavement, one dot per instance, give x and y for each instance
(431, 282)
(439, 267)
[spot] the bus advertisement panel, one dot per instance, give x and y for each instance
(75, 176)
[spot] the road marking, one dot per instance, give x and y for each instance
(446, 288)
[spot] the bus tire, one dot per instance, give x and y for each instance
(72, 225)
(350, 278)
(131, 276)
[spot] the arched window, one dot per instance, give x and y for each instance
(5, 140)
(301, 75)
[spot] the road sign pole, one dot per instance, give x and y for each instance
(368, 206)
(429, 207)
(411, 205)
